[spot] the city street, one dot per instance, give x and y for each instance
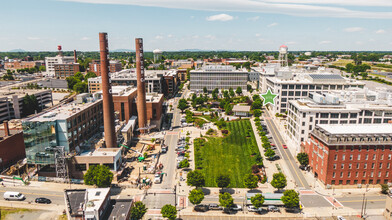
(355, 202)
(57, 197)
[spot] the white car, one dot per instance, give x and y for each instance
(157, 178)
(236, 207)
(251, 208)
(181, 158)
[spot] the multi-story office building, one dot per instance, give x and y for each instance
(69, 125)
(95, 66)
(291, 88)
(218, 76)
(155, 81)
(51, 61)
(65, 70)
(351, 154)
(19, 64)
(11, 102)
(353, 106)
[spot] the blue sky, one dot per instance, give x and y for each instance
(258, 25)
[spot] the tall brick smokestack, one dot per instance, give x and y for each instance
(108, 108)
(141, 87)
(75, 57)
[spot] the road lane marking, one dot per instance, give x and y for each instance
(375, 200)
(284, 150)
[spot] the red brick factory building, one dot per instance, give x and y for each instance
(12, 147)
(351, 154)
(95, 67)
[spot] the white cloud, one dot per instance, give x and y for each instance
(210, 37)
(220, 17)
(381, 31)
(85, 38)
(291, 43)
(325, 42)
(195, 36)
(272, 24)
(258, 35)
(170, 35)
(302, 8)
(158, 37)
(192, 17)
(33, 38)
(253, 18)
(353, 29)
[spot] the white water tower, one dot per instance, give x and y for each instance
(157, 55)
(283, 60)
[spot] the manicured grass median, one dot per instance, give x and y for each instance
(234, 154)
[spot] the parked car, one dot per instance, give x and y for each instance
(251, 208)
(43, 200)
(272, 208)
(42, 154)
(180, 158)
(275, 157)
(302, 167)
(214, 206)
(181, 153)
(180, 149)
(284, 146)
(157, 178)
(164, 149)
(14, 196)
(201, 208)
(235, 207)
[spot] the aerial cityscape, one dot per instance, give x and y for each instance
(262, 109)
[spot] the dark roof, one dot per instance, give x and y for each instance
(74, 199)
(119, 208)
(325, 76)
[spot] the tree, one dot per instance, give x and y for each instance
(279, 181)
(169, 211)
(269, 153)
(196, 196)
(257, 104)
(205, 90)
(138, 210)
(80, 87)
(71, 81)
(303, 159)
(238, 90)
(182, 105)
(384, 188)
(79, 76)
(250, 181)
(257, 200)
(222, 180)
(231, 92)
(257, 112)
(30, 105)
(195, 178)
(184, 163)
(290, 198)
(89, 75)
(99, 175)
(225, 200)
(42, 68)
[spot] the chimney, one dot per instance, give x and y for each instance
(108, 108)
(6, 129)
(141, 87)
(75, 57)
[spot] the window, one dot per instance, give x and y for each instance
(382, 157)
(359, 157)
(364, 174)
(336, 156)
(349, 165)
(334, 115)
(333, 175)
(80, 167)
(367, 121)
(389, 156)
(377, 121)
(372, 165)
(324, 115)
(349, 174)
(353, 115)
(334, 166)
(344, 156)
(374, 156)
(357, 165)
(388, 165)
(342, 166)
(380, 166)
(311, 119)
(340, 182)
(371, 174)
(368, 113)
(366, 156)
(387, 174)
(356, 174)
(365, 166)
(122, 111)
(341, 174)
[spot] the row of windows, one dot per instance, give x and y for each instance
(357, 174)
(350, 166)
(348, 182)
(366, 157)
(319, 87)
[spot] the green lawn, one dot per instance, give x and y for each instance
(231, 154)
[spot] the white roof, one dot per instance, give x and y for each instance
(241, 108)
(95, 198)
(357, 129)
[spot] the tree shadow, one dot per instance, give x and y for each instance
(206, 191)
(227, 190)
(254, 191)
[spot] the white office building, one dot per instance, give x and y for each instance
(218, 76)
(51, 61)
(351, 106)
(289, 87)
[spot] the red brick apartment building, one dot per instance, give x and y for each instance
(95, 66)
(351, 154)
(65, 70)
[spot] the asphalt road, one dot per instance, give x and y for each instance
(285, 153)
(355, 202)
(57, 197)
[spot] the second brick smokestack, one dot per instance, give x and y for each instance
(75, 57)
(141, 87)
(108, 108)
(6, 129)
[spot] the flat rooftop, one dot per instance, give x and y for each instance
(364, 129)
(119, 209)
(21, 92)
(65, 111)
(319, 78)
(121, 90)
(154, 97)
(219, 68)
(96, 197)
(75, 199)
(109, 152)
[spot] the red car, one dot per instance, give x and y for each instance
(284, 146)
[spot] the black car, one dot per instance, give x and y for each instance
(201, 208)
(43, 200)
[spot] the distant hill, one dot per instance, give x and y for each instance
(17, 50)
(191, 50)
(122, 50)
